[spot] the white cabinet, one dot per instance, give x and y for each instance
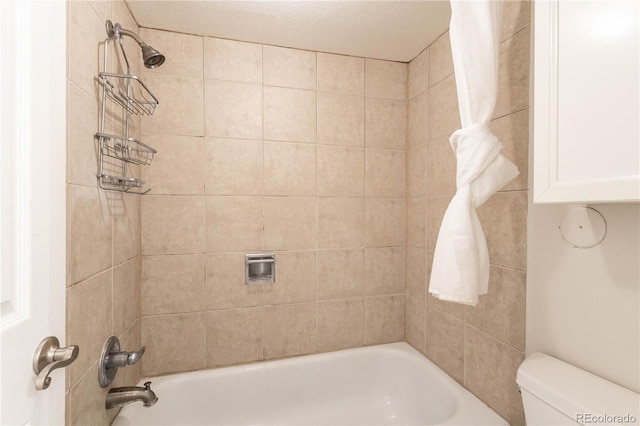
(586, 146)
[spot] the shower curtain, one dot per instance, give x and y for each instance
(460, 271)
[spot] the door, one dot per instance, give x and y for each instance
(32, 203)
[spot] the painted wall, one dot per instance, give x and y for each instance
(103, 228)
(481, 347)
(583, 305)
(267, 149)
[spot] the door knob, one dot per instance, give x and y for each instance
(50, 356)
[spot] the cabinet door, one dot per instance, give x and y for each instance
(586, 97)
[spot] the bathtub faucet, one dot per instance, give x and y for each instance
(117, 397)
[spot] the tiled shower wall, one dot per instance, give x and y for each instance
(103, 228)
(481, 347)
(268, 149)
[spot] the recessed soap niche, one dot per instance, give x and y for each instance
(259, 268)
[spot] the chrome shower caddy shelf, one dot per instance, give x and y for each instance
(131, 94)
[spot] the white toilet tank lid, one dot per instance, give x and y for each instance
(574, 391)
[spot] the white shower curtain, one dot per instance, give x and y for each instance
(460, 271)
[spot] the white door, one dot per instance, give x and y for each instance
(32, 203)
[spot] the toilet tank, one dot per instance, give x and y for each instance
(557, 393)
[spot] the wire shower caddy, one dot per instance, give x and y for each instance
(135, 98)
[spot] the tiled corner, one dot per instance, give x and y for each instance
(386, 79)
(418, 74)
(384, 270)
(384, 319)
(445, 343)
(385, 124)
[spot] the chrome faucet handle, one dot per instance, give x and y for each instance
(113, 358)
(50, 356)
(122, 359)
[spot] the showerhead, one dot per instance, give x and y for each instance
(151, 57)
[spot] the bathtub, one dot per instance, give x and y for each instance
(389, 384)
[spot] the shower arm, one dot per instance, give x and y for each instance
(116, 31)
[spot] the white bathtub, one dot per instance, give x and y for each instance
(388, 384)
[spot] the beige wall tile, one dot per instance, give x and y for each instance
(441, 168)
(125, 209)
(501, 312)
(417, 172)
(342, 74)
(440, 60)
(89, 319)
(233, 224)
(340, 171)
(172, 225)
(340, 222)
(415, 323)
(513, 74)
(183, 52)
(445, 343)
(340, 274)
(289, 114)
(102, 7)
(290, 223)
(385, 222)
(172, 284)
(417, 222)
(289, 67)
(418, 127)
(444, 117)
(490, 373)
(384, 270)
(504, 220)
(233, 110)
(418, 81)
(234, 336)
(295, 278)
(177, 168)
(180, 111)
(82, 152)
(386, 124)
(233, 167)
(289, 169)
(224, 283)
(84, 43)
(386, 79)
(515, 16)
(513, 132)
(435, 212)
(340, 119)
(126, 295)
(232, 60)
(290, 330)
(183, 333)
(340, 324)
(385, 173)
(89, 234)
(383, 319)
(85, 403)
(416, 272)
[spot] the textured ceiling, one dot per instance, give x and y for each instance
(392, 30)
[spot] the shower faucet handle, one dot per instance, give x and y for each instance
(122, 359)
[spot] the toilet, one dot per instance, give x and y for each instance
(557, 393)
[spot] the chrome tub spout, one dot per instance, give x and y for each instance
(118, 397)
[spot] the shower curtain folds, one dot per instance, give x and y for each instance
(460, 271)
